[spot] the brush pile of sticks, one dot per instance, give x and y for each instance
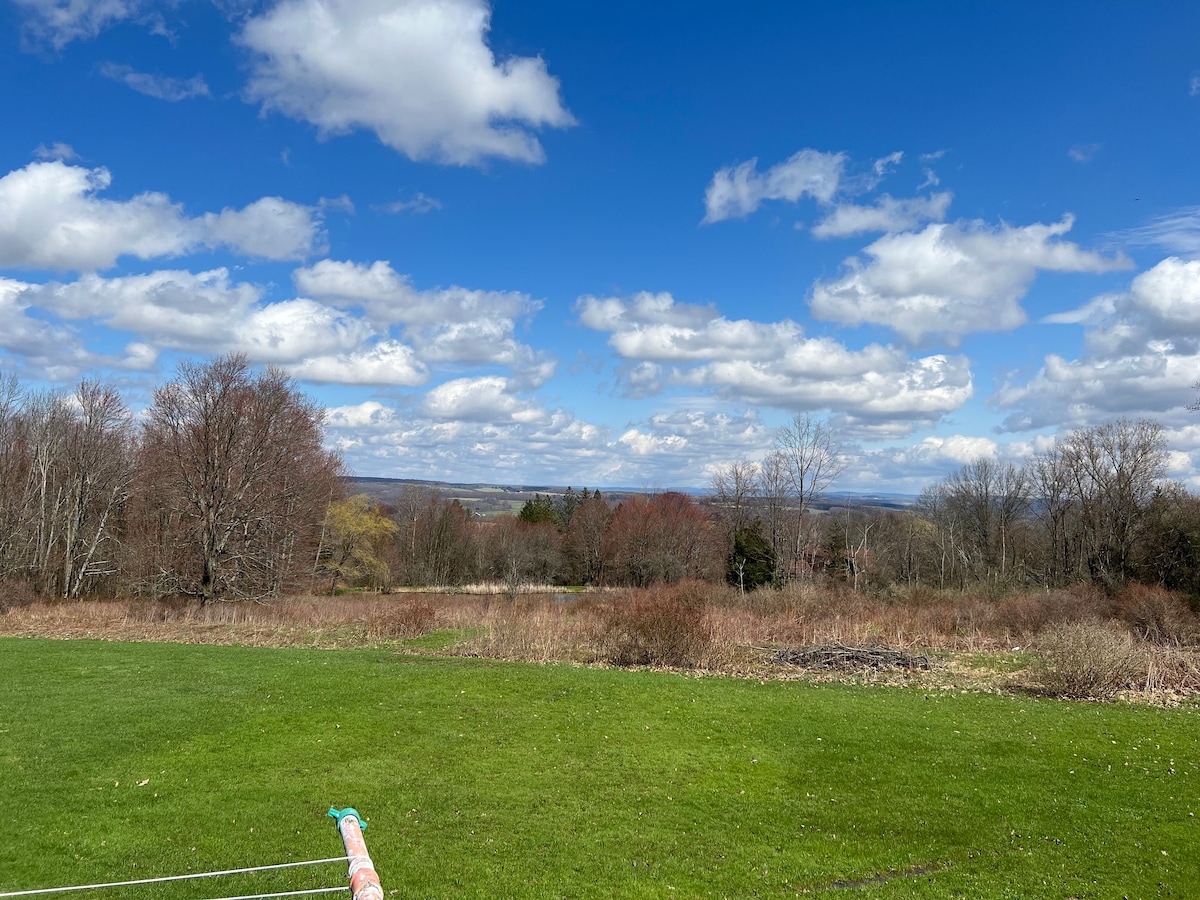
(840, 657)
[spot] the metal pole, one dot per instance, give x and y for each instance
(364, 882)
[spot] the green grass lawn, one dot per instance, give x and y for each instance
(497, 780)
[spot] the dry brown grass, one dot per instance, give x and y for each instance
(691, 625)
(538, 629)
(310, 621)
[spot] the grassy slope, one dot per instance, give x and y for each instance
(485, 779)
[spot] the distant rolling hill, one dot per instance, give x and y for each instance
(499, 499)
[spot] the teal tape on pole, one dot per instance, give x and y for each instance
(339, 814)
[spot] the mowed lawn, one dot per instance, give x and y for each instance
(497, 780)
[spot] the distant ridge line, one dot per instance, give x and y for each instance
(829, 498)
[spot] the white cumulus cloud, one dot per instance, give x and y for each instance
(774, 363)
(418, 73)
(205, 313)
(52, 217)
(387, 362)
(489, 398)
(271, 227)
(453, 324)
(952, 279)
(1142, 355)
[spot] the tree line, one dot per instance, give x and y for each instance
(1095, 506)
(579, 538)
(222, 490)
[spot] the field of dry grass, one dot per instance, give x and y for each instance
(1144, 641)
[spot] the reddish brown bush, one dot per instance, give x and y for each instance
(401, 618)
(665, 626)
(1027, 614)
(1158, 615)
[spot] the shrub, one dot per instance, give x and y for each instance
(15, 595)
(663, 626)
(1089, 660)
(1029, 614)
(409, 617)
(1158, 615)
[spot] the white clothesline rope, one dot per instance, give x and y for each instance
(329, 890)
(110, 884)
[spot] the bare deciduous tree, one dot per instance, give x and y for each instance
(811, 456)
(584, 543)
(99, 470)
(1051, 488)
(236, 461)
(734, 486)
(663, 538)
(1115, 469)
(523, 553)
(988, 498)
(772, 498)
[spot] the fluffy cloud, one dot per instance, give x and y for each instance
(204, 313)
(446, 325)
(1143, 353)
(52, 218)
(161, 87)
(774, 364)
(370, 413)
(387, 362)
(272, 228)
(887, 214)
(640, 310)
(297, 330)
(737, 191)
(43, 349)
(486, 399)
(177, 308)
(913, 467)
(476, 430)
(687, 437)
(388, 298)
(951, 279)
(417, 73)
(483, 430)
(323, 339)
(21, 333)
(655, 327)
(878, 392)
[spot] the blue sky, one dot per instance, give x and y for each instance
(617, 244)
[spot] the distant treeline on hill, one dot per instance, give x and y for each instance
(223, 491)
